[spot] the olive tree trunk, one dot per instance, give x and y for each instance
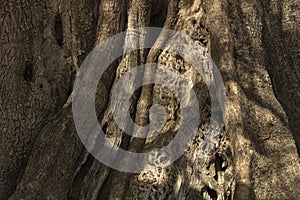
(255, 45)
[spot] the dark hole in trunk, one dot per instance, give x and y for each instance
(58, 29)
(212, 193)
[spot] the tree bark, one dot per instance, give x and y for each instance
(254, 44)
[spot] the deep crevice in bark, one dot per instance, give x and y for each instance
(58, 30)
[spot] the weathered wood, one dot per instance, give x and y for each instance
(254, 44)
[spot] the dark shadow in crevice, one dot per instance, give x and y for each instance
(159, 13)
(28, 73)
(212, 193)
(79, 178)
(58, 30)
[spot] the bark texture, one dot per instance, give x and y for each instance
(256, 46)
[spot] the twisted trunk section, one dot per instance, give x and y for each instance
(254, 44)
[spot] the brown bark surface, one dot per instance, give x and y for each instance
(256, 46)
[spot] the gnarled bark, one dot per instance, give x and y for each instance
(254, 44)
